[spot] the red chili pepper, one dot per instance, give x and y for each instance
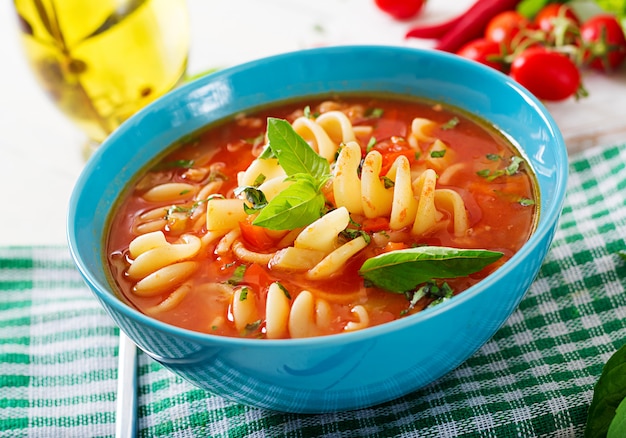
(473, 23)
(433, 31)
(465, 27)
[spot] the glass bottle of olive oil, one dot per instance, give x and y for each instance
(101, 61)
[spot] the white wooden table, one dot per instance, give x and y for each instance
(40, 150)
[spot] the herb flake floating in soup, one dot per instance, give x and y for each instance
(320, 218)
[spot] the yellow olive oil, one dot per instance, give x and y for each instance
(101, 61)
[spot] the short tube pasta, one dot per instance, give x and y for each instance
(404, 205)
(244, 308)
(321, 235)
(170, 192)
(346, 182)
(376, 198)
(277, 313)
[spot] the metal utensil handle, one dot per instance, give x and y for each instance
(126, 413)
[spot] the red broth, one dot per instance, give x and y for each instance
(499, 206)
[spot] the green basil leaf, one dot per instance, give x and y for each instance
(294, 153)
(617, 429)
(297, 206)
(402, 270)
(608, 394)
(267, 153)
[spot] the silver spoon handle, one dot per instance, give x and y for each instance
(126, 413)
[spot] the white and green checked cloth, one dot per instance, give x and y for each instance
(535, 378)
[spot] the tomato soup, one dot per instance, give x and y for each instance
(320, 217)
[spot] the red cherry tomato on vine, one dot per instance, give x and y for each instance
(604, 42)
(549, 15)
(401, 9)
(485, 51)
(547, 74)
(503, 27)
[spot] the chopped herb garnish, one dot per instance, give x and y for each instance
(509, 170)
(438, 153)
(450, 123)
(374, 113)
(190, 210)
(493, 157)
(430, 288)
(370, 144)
(284, 289)
(388, 182)
(622, 254)
(414, 296)
(253, 325)
(177, 209)
(260, 179)
(354, 223)
(515, 198)
(255, 197)
(307, 112)
(351, 234)
(243, 296)
(444, 293)
(237, 276)
(513, 168)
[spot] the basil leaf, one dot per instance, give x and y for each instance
(267, 153)
(297, 206)
(608, 394)
(402, 270)
(294, 154)
(617, 429)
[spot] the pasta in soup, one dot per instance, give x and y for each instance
(321, 217)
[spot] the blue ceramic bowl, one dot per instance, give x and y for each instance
(351, 370)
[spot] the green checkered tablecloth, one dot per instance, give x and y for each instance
(535, 378)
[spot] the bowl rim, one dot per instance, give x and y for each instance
(548, 217)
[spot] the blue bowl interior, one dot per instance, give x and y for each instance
(438, 76)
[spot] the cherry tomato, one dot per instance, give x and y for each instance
(503, 27)
(392, 148)
(549, 75)
(256, 237)
(603, 42)
(485, 51)
(401, 9)
(559, 23)
(552, 14)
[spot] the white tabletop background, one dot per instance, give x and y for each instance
(40, 150)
